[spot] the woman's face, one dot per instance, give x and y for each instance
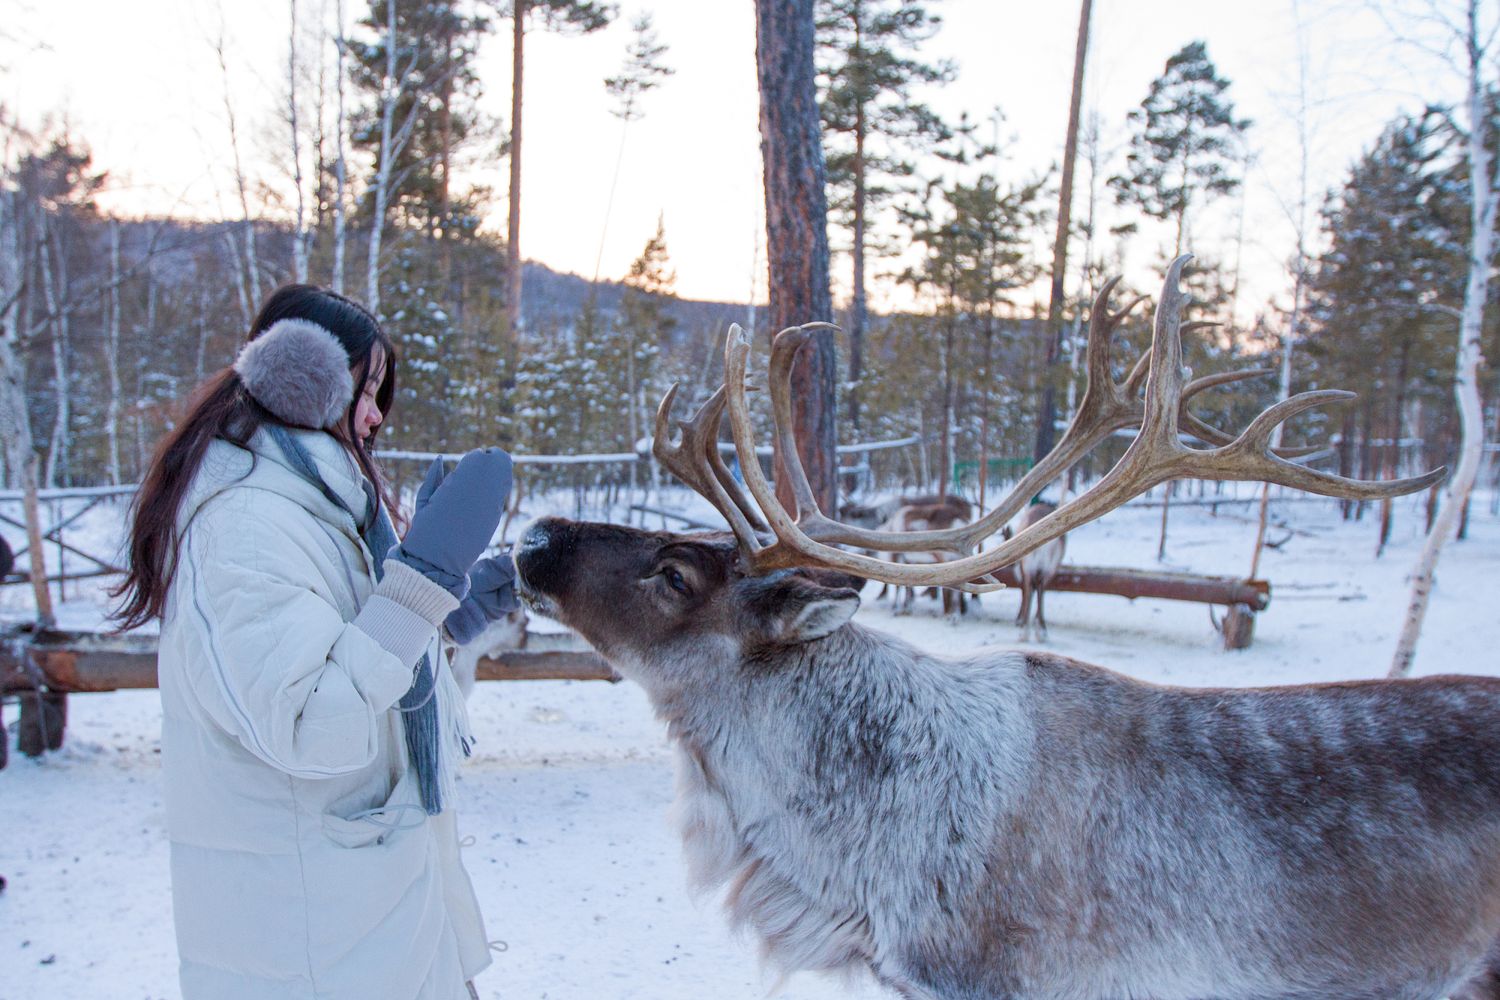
(367, 415)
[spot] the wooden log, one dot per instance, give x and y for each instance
(548, 665)
(78, 661)
(1134, 583)
(85, 661)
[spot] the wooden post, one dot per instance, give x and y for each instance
(44, 714)
(39, 591)
(1238, 627)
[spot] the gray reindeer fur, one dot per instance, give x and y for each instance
(1027, 827)
(299, 371)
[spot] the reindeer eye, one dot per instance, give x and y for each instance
(675, 580)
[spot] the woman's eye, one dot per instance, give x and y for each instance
(675, 580)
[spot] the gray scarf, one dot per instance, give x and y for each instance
(419, 705)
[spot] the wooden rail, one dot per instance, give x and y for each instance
(1133, 583)
(68, 662)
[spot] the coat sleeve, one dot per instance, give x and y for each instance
(278, 667)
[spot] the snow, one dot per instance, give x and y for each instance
(575, 863)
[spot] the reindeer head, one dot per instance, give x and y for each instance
(654, 601)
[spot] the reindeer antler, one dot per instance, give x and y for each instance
(810, 538)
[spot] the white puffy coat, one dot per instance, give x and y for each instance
(277, 726)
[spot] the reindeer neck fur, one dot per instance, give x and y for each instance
(835, 851)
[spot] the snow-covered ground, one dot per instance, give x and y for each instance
(566, 800)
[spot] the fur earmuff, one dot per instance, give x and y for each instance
(299, 371)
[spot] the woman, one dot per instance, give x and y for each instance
(307, 741)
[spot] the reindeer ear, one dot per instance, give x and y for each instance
(793, 609)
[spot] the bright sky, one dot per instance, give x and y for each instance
(140, 82)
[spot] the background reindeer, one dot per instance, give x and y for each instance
(927, 513)
(1036, 570)
(1023, 825)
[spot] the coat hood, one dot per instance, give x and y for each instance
(262, 465)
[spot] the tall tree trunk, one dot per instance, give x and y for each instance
(1294, 324)
(242, 294)
(797, 230)
(341, 169)
(252, 264)
(56, 291)
(1470, 357)
(389, 91)
(15, 421)
(513, 224)
(1047, 413)
(299, 230)
(446, 155)
(950, 337)
(112, 355)
(858, 309)
(985, 406)
(1393, 448)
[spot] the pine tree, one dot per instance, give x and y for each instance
(1183, 151)
(872, 124)
(1395, 247)
(797, 231)
(643, 72)
(437, 44)
(976, 242)
(582, 16)
(642, 328)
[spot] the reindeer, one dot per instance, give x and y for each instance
(1037, 570)
(1022, 825)
(926, 514)
(502, 635)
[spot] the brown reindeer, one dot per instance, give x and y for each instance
(1021, 825)
(927, 514)
(914, 513)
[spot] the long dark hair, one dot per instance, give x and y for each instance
(222, 408)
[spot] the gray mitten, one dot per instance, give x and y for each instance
(492, 596)
(456, 516)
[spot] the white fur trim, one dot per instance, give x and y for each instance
(299, 371)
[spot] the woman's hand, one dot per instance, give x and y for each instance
(456, 516)
(492, 596)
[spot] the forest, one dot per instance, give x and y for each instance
(110, 321)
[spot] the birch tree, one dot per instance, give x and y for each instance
(15, 421)
(299, 219)
(112, 355)
(1297, 212)
(55, 290)
(247, 224)
(340, 163)
(1476, 44)
(393, 138)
